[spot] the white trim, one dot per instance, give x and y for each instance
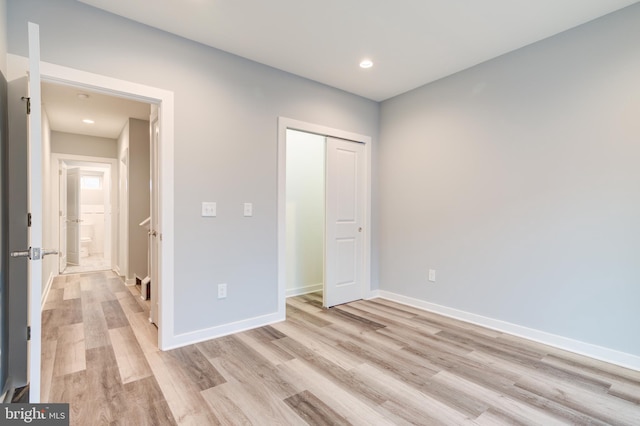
(224, 330)
(165, 99)
(373, 294)
(285, 123)
(593, 351)
(299, 291)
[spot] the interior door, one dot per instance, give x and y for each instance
(62, 227)
(34, 281)
(345, 196)
(73, 216)
(154, 232)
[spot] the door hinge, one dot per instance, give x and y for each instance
(28, 332)
(25, 98)
(29, 220)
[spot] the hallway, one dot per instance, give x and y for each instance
(95, 333)
(89, 264)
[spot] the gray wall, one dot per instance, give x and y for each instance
(139, 197)
(3, 37)
(49, 219)
(122, 250)
(90, 146)
(518, 181)
(226, 111)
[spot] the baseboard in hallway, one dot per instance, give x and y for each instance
(88, 264)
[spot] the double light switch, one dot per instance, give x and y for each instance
(208, 209)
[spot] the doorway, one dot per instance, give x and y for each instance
(305, 221)
(164, 111)
(324, 213)
(85, 216)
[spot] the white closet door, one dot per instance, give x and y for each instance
(345, 195)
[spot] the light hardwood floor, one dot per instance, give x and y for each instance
(364, 363)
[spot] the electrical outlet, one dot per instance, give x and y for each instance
(432, 275)
(222, 291)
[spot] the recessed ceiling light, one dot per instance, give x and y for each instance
(88, 121)
(366, 63)
(83, 96)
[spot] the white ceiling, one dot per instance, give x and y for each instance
(66, 111)
(411, 42)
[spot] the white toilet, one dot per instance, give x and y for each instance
(86, 238)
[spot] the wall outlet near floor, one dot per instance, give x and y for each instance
(222, 291)
(432, 275)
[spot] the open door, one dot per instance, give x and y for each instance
(32, 227)
(28, 227)
(73, 216)
(345, 197)
(35, 208)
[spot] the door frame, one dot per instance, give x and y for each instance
(165, 100)
(285, 123)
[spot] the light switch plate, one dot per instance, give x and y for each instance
(432, 275)
(209, 209)
(248, 209)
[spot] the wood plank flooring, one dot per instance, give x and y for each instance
(364, 363)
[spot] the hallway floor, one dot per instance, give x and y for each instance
(90, 263)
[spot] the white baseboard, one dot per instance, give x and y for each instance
(223, 330)
(373, 294)
(130, 282)
(45, 291)
(593, 351)
(312, 288)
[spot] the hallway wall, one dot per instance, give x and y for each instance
(90, 146)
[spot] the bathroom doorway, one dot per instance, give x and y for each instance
(86, 219)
